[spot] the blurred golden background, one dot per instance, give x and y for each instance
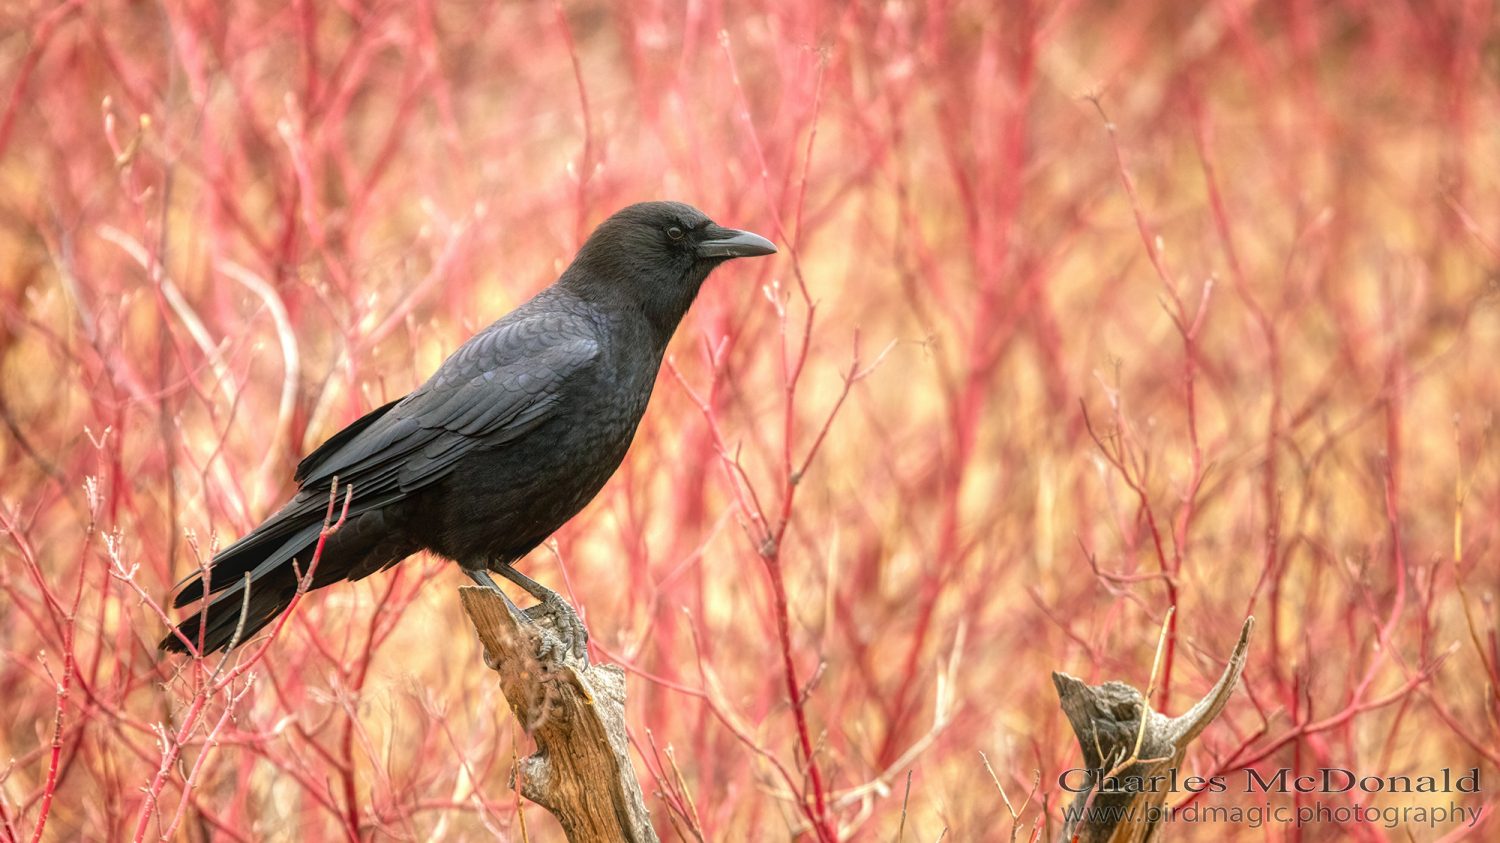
(1184, 305)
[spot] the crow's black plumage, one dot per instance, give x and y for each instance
(511, 437)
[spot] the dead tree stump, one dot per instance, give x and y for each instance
(581, 772)
(1107, 720)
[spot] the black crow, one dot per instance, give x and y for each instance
(511, 437)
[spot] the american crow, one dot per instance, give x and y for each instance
(511, 437)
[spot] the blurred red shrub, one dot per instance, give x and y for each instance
(1234, 355)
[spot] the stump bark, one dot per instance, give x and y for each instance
(1107, 719)
(581, 771)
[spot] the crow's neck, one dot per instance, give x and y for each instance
(660, 301)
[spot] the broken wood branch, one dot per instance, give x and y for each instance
(581, 771)
(1125, 744)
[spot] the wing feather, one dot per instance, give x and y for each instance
(501, 383)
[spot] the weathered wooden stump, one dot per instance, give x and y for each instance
(581, 772)
(1107, 720)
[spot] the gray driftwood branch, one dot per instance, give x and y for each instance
(581, 771)
(1107, 720)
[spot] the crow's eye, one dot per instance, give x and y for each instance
(675, 233)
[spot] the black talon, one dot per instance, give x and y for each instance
(565, 629)
(565, 621)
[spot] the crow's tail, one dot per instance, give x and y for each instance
(261, 562)
(219, 622)
(268, 561)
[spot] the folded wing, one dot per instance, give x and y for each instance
(502, 383)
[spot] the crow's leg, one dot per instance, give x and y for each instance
(484, 580)
(565, 622)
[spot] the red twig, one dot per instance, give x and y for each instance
(216, 683)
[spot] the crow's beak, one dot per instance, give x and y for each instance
(728, 243)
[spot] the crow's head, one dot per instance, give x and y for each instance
(655, 255)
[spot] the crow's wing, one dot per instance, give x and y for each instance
(494, 389)
(498, 386)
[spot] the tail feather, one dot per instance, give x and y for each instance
(266, 601)
(368, 542)
(257, 553)
(293, 532)
(271, 578)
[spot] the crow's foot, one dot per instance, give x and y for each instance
(554, 614)
(563, 631)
